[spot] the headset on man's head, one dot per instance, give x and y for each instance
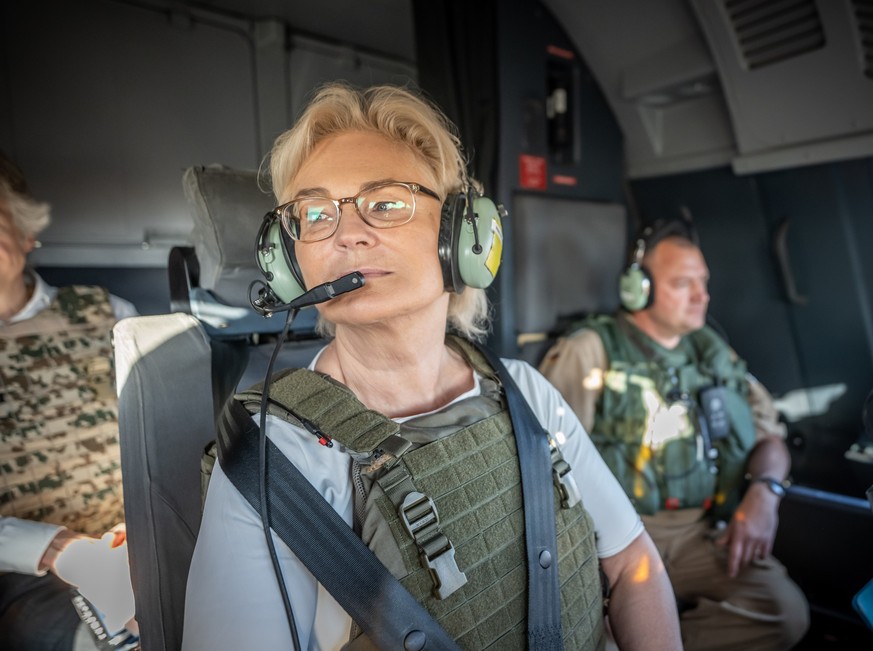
(470, 249)
(636, 285)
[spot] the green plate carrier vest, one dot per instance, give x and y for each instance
(647, 428)
(438, 500)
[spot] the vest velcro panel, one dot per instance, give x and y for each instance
(472, 477)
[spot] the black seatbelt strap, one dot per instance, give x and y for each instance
(318, 536)
(534, 454)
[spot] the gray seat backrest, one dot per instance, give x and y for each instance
(227, 208)
(568, 255)
(165, 414)
(174, 373)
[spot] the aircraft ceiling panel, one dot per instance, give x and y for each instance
(384, 26)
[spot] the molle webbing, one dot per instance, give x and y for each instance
(318, 399)
(472, 476)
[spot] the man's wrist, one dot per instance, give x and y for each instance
(776, 486)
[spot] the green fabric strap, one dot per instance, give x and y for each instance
(316, 398)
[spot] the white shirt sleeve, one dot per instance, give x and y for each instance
(23, 543)
(615, 520)
(233, 599)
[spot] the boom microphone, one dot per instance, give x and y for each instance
(327, 291)
(267, 303)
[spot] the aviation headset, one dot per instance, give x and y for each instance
(636, 285)
(470, 248)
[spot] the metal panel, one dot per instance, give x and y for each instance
(568, 256)
(801, 97)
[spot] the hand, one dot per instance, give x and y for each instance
(752, 530)
(99, 568)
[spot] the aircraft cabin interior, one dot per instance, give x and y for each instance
(145, 124)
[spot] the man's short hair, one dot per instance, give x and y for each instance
(652, 234)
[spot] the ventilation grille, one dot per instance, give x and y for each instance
(770, 31)
(864, 19)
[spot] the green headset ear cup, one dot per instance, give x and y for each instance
(636, 285)
(462, 265)
(636, 288)
(478, 269)
(279, 263)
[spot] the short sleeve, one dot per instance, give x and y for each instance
(575, 366)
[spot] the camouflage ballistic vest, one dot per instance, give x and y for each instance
(648, 422)
(59, 453)
(440, 496)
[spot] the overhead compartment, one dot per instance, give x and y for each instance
(755, 84)
(654, 67)
(797, 76)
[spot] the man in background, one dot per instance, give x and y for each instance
(694, 440)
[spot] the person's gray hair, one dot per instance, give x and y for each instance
(29, 215)
(401, 116)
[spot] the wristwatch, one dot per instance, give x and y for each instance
(776, 487)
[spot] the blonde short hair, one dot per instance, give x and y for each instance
(404, 117)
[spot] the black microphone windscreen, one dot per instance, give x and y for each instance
(327, 291)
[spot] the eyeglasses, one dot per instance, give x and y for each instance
(310, 219)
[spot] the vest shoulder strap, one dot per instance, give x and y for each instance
(320, 404)
(718, 357)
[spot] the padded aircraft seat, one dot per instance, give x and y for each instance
(174, 373)
(568, 256)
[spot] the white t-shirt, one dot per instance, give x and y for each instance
(233, 599)
(23, 542)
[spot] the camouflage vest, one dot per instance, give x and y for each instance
(438, 500)
(59, 453)
(648, 428)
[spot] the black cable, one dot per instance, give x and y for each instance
(262, 480)
(687, 472)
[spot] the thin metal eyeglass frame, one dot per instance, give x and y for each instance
(414, 188)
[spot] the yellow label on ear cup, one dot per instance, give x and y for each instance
(492, 261)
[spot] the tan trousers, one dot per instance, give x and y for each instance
(760, 609)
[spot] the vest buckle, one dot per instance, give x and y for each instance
(389, 450)
(564, 481)
(436, 551)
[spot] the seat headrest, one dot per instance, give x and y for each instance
(228, 206)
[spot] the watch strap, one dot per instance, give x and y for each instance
(776, 486)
